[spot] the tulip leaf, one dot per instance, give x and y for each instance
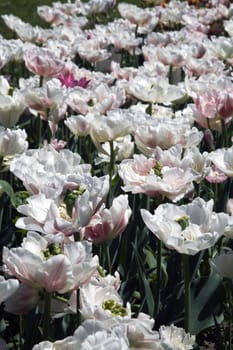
(6, 187)
(144, 283)
(207, 296)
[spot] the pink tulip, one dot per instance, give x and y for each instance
(43, 62)
(108, 223)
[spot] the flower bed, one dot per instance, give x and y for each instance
(116, 177)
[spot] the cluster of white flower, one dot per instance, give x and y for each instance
(157, 108)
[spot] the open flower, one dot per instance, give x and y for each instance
(7, 287)
(223, 160)
(91, 335)
(187, 228)
(42, 61)
(108, 223)
(48, 264)
(46, 170)
(175, 338)
(99, 299)
(12, 141)
(164, 174)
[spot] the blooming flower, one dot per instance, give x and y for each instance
(7, 287)
(155, 90)
(223, 160)
(91, 335)
(48, 264)
(99, 299)
(42, 61)
(175, 338)
(46, 170)
(40, 264)
(108, 223)
(162, 174)
(12, 142)
(186, 228)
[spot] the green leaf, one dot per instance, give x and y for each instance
(207, 302)
(6, 187)
(144, 284)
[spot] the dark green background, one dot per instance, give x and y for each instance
(25, 9)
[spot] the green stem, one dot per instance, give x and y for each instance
(41, 81)
(107, 257)
(149, 109)
(170, 74)
(223, 133)
(78, 315)
(187, 296)
(112, 161)
(111, 170)
(159, 271)
(46, 316)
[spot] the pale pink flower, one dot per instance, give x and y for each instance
(228, 26)
(7, 288)
(155, 90)
(122, 146)
(12, 141)
(223, 160)
(110, 127)
(92, 51)
(215, 175)
(91, 200)
(79, 99)
(170, 56)
(79, 125)
(50, 264)
(201, 66)
(229, 206)
(215, 104)
(83, 263)
(98, 298)
(152, 177)
(11, 107)
(43, 62)
(24, 299)
(186, 228)
(98, 6)
(127, 40)
(119, 72)
(137, 15)
(222, 47)
(49, 101)
(165, 132)
(24, 30)
(58, 144)
(92, 334)
(6, 53)
(40, 264)
(47, 171)
(46, 216)
(173, 337)
(109, 223)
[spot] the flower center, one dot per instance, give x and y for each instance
(183, 221)
(52, 250)
(70, 198)
(116, 308)
(158, 169)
